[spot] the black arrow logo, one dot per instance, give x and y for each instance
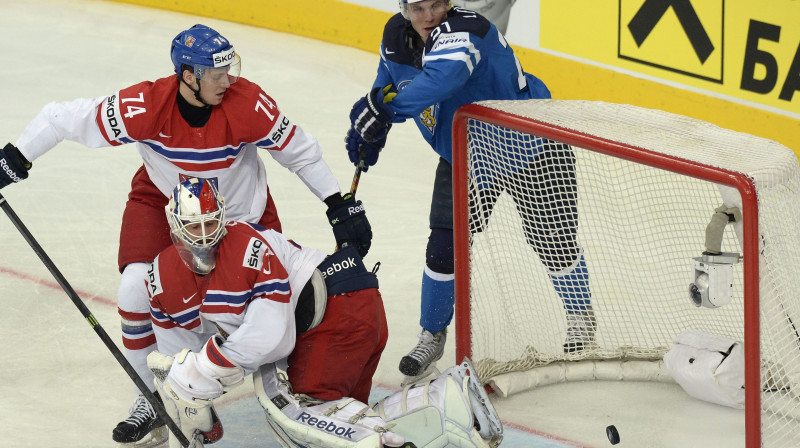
(651, 13)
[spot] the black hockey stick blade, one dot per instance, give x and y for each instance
(126, 365)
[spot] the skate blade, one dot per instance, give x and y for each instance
(157, 438)
(428, 374)
(489, 420)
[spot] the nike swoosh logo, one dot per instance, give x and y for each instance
(190, 298)
(387, 51)
(161, 134)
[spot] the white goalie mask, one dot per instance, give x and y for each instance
(196, 216)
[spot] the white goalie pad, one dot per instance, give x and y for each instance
(708, 367)
(344, 423)
(451, 410)
(193, 416)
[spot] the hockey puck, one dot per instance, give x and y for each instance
(613, 434)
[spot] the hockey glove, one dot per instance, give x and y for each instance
(372, 116)
(356, 145)
(13, 165)
(349, 222)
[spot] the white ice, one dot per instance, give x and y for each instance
(60, 386)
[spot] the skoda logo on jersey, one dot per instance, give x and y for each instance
(255, 253)
(224, 58)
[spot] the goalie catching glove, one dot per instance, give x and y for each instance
(349, 222)
(13, 166)
(188, 383)
(371, 117)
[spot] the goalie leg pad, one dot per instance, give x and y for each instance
(344, 423)
(453, 409)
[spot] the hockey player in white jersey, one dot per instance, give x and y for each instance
(434, 59)
(231, 299)
(204, 120)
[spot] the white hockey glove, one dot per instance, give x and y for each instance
(194, 416)
(204, 375)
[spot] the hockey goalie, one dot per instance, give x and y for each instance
(230, 299)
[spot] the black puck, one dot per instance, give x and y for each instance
(613, 434)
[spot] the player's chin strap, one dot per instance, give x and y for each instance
(196, 92)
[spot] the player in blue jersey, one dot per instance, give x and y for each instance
(434, 59)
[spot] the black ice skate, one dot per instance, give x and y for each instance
(428, 350)
(143, 429)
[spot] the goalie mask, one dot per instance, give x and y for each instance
(196, 216)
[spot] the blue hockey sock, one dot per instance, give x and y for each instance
(438, 299)
(572, 284)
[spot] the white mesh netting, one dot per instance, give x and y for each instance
(536, 204)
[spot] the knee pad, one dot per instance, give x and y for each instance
(132, 294)
(439, 253)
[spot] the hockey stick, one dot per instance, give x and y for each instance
(126, 365)
(359, 168)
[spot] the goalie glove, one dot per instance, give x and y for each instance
(372, 116)
(13, 165)
(194, 415)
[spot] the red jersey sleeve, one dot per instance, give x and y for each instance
(136, 112)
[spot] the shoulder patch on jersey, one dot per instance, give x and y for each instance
(451, 40)
(281, 132)
(154, 279)
(111, 119)
(254, 254)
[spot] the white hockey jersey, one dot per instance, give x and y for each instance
(249, 297)
(224, 149)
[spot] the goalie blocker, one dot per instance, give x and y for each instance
(450, 409)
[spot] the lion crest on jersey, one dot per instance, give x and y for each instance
(428, 117)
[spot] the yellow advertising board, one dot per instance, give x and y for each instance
(748, 51)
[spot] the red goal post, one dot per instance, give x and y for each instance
(671, 163)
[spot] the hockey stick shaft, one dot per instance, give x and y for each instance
(359, 168)
(126, 365)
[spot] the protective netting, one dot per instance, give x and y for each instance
(537, 204)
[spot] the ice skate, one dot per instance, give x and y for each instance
(143, 429)
(487, 421)
(581, 326)
(428, 350)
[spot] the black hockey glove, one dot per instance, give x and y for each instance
(13, 165)
(349, 222)
(371, 116)
(355, 145)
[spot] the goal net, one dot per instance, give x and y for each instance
(565, 208)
